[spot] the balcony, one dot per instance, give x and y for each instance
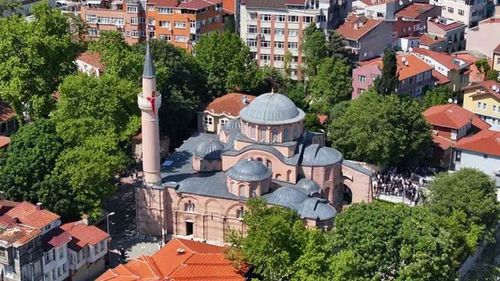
(149, 103)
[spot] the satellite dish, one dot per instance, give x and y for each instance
(494, 87)
(410, 49)
(450, 100)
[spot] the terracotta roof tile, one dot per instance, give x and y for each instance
(83, 234)
(414, 10)
(448, 115)
(30, 215)
(415, 65)
(486, 87)
(354, 27)
(55, 238)
(445, 24)
(439, 78)
(197, 4)
(442, 142)
(93, 59)
(16, 234)
(6, 112)
(448, 61)
(486, 141)
(229, 104)
(4, 141)
(427, 40)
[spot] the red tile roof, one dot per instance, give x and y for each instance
(189, 4)
(486, 87)
(448, 115)
(443, 24)
(322, 118)
(442, 142)
(414, 10)
(354, 27)
(6, 112)
(427, 40)
(439, 78)
(55, 238)
(486, 141)
(15, 234)
(415, 65)
(29, 214)
(6, 205)
(229, 104)
(447, 60)
(198, 261)
(4, 141)
(93, 59)
(83, 234)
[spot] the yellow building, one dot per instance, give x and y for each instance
(496, 58)
(484, 100)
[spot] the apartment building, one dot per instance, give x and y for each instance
(484, 38)
(366, 38)
(469, 12)
(414, 75)
(449, 67)
(412, 19)
(127, 17)
(484, 100)
(378, 9)
(496, 58)
(273, 29)
(183, 22)
(432, 43)
(451, 31)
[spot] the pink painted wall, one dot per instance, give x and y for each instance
(368, 71)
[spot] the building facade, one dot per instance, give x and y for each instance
(90, 64)
(484, 37)
(452, 32)
(412, 19)
(484, 100)
(469, 12)
(496, 58)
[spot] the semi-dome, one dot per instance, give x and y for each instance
(272, 109)
(317, 208)
(309, 187)
(249, 170)
(287, 197)
(210, 150)
(231, 125)
(316, 155)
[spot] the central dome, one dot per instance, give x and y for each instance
(272, 109)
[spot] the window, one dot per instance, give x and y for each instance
(142, 19)
(266, 30)
(419, 77)
(285, 134)
(132, 9)
(265, 44)
(279, 31)
(450, 10)
(134, 33)
(280, 18)
(251, 42)
(240, 212)
(208, 120)
(93, 32)
(484, 105)
(265, 17)
(179, 24)
(262, 134)
(418, 91)
(91, 18)
(293, 18)
(308, 19)
(494, 108)
(321, 18)
(275, 134)
(252, 128)
(151, 8)
(292, 32)
(165, 10)
(485, 156)
(165, 37)
(279, 44)
(361, 78)
(3, 252)
(380, 15)
(192, 24)
(252, 16)
(460, 12)
(252, 29)
(189, 206)
(134, 20)
(278, 57)
(265, 57)
(164, 24)
(479, 104)
(292, 45)
(61, 252)
(427, 74)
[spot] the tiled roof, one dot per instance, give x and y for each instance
(415, 65)
(448, 115)
(445, 24)
(15, 234)
(178, 260)
(230, 104)
(93, 59)
(442, 142)
(414, 10)
(485, 141)
(439, 78)
(164, 3)
(31, 215)
(4, 141)
(6, 112)
(377, 2)
(83, 234)
(198, 4)
(6, 205)
(486, 87)
(275, 4)
(497, 49)
(427, 40)
(55, 238)
(447, 60)
(354, 27)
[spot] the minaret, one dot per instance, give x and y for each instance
(149, 102)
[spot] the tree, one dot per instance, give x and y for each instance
(296, 91)
(314, 49)
(339, 109)
(229, 23)
(469, 197)
(493, 75)
(331, 85)
(383, 241)
(312, 124)
(483, 65)
(382, 130)
(36, 56)
(227, 63)
(336, 47)
(8, 7)
(437, 96)
(387, 82)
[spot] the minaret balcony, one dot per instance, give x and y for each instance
(151, 103)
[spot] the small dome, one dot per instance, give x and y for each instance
(309, 187)
(315, 155)
(210, 150)
(316, 208)
(287, 197)
(249, 170)
(232, 125)
(272, 109)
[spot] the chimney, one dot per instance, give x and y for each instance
(180, 251)
(85, 219)
(39, 206)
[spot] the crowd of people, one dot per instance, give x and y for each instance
(407, 186)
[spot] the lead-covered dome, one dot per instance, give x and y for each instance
(316, 155)
(249, 170)
(272, 109)
(308, 186)
(317, 208)
(287, 197)
(210, 150)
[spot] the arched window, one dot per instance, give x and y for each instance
(240, 212)
(189, 206)
(296, 131)
(285, 134)
(252, 131)
(262, 134)
(269, 164)
(253, 192)
(241, 190)
(275, 134)
(288, 173)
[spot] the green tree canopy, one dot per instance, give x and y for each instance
(383, 130)
(314, 49)
(387, 83)
(36, 56)
(227, 63)
(331, 85)
(9, 6)
(437, 96)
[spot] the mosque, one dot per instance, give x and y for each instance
(201, 191)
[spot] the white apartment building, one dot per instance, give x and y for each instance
(273, 28)
(470, 12)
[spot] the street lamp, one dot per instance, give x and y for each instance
(109, 239)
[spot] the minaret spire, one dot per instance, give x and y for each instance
(149, 68)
